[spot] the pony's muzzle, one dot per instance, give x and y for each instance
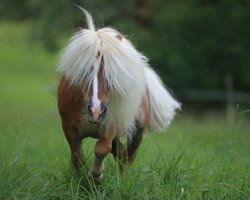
(96, 114)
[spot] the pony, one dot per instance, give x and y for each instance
(108, 90)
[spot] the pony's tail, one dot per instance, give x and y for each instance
(162, 105)
(89, 19)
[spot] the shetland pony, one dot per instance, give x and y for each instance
(108, 90)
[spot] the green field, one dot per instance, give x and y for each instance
(199, 158)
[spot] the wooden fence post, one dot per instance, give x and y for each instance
(230, 110)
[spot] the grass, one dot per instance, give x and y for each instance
(197, 159)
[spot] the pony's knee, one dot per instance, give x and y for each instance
(102, 148)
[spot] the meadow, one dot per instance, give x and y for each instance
(198, 157)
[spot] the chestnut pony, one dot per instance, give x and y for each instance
(108, 90)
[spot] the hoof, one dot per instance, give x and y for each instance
(96, 176)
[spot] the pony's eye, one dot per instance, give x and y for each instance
(107, 87)
(89, 108)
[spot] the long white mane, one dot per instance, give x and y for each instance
(126, 71)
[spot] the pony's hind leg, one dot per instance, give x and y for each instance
(119, 151)
(77, 156)
(134, 142)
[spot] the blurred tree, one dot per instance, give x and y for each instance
(202, 41)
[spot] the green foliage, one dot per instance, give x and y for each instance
(202, 41)
(15, 10)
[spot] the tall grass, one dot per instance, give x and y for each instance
(197, 159)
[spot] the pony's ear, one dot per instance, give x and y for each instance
(119, 36)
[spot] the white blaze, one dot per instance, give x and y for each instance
(95, 100)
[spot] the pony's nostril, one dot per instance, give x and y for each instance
(89, 109)
(103, 108)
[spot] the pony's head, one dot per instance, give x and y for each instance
(97, 97)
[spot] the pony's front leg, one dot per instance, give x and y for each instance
(77, 156)
(102, 149)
